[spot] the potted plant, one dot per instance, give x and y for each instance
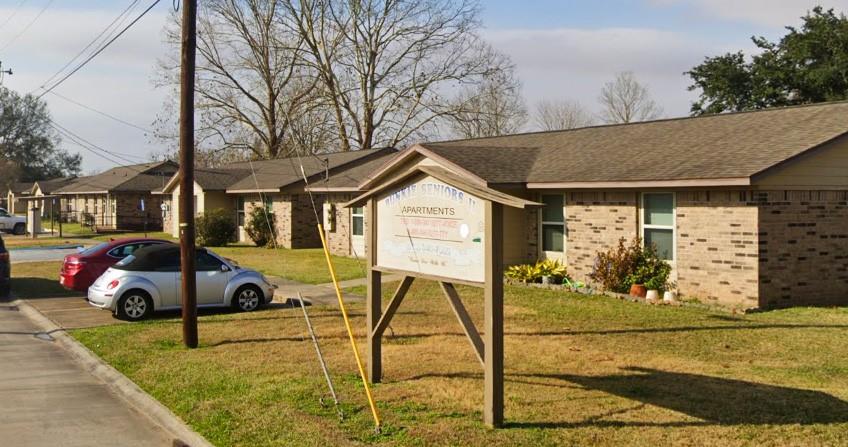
(551, 271)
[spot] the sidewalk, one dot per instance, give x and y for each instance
(321, 293)
(50, 400)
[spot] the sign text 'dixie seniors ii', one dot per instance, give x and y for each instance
(431, 228)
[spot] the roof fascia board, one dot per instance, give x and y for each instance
(250, 191)
(686, 183)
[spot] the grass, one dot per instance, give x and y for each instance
(579, 370)
(306, 265)
(38, 280)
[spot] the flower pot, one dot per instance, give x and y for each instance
(652, 295)
(668, 296)
(638, 290)
(547, 280)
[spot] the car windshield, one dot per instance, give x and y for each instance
(95, 249)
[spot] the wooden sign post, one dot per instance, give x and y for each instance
(432, 224)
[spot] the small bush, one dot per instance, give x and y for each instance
(259, 227)
(614, 266)
(215, 228)
(535, 272)
(624, 265)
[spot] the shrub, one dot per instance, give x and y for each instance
(613, 267)
(214, 228)
(522, 273)
(552, 268)
(624, 265)
(259, 227)
(535, 272)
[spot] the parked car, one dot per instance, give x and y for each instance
(5, 270)
(80, 270)
(149, 280)
(12, 224)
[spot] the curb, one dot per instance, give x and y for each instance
(119, 384)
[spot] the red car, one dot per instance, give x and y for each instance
(80, 270)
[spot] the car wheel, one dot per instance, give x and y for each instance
(19, 229)
(135, 305)
(247, 298)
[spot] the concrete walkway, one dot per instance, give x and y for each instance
(50, 400)
(321, 293)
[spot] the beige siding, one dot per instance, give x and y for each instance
(827, 168)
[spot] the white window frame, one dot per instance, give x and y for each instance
(552, 254)
(354, 214)
(672, 227)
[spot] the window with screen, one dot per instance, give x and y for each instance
(553, 223)
(240, 211)
(658, 223)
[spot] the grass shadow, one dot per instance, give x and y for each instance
(35, 288)
(713, 400)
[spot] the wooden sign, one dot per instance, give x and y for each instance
(431, 228)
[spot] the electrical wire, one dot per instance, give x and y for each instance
(80, 140)
(121, 17)
(100, 112)
(99, 50)
(13, 14)
(27, 27)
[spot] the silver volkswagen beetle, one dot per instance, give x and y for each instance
(149, 280)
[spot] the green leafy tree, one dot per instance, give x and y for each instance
(29, 142)
(808, 65)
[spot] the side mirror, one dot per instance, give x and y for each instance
(224, 268)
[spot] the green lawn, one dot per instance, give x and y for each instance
(38, 280)
(306, 265)
(581, 370)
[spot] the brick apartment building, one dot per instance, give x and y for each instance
(750, 209)
(112, 200)
(279, 186)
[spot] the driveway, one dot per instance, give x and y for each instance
(49, 400)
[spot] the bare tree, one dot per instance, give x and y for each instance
(386, 65)
(560, 115)
(626, 100)
(250, 83)
(490, 109)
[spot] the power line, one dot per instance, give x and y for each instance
(26, 28)
(112, 117)
(76, 138)
(100, 50)
(13, 14)
(120, 18)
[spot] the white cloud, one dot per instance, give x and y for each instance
(568, 63)
(773, 13)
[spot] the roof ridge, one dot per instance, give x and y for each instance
(636, 123)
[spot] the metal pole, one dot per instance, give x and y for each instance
(320, 355)
(187, 249)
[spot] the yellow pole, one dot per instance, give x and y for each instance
(349, 330)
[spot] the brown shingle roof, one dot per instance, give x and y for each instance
(732, 145)
(219, 179)
(351, 175)
(133, 178)
(49, 186)
(279, 173)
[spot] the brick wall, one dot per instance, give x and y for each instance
(595, 221)
(717, 247)
(339, 238)
(129, 217)
(803, 247)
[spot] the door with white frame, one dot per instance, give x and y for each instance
(357, 231)
(552, 233)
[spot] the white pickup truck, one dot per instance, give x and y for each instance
(12, 224)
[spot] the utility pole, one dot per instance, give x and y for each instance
(186, 217)
(2, 72)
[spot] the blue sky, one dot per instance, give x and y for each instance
(562, 50)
